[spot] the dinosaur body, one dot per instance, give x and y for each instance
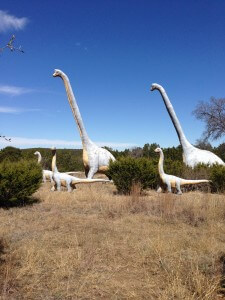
(95, 159)
(171, 181)
(191, 155)
(66, 180)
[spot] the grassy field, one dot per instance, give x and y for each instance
(95, 244)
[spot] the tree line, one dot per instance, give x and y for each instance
(71, 159)
(173, 153)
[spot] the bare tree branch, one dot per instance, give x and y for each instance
(213, 114)
(5, 138)
(203, 144)
(11, 46)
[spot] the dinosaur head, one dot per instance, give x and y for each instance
(57, 72)
(153, 87)
(158, 149)
(156, 86)
(53, 150)
(39, 156)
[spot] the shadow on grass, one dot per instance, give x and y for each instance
(222, 282)
(29, 201)
(2, 251)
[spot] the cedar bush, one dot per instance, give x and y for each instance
(201, 171)
(173, 167)
(10, 153)
(127, 171)
(217, 175)
(18, 180)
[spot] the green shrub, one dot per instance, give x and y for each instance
(173, 167)
(10, 153)
(201, 171)
(217, 175)
(127, 171)
(18, 180)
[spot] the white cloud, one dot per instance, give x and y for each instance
(16, 110)
(14, 90)
(8, 110)
(9, 22)
(116, 145)
(48, 143)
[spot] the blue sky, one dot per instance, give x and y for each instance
(112, 51)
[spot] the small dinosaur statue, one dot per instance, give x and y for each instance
(66, 180)
(170, 181)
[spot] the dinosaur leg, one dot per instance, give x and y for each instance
(58, 184)
(159, 190)
(69, 189)
(53, 184)
(168, 187)
(44, 178)
(51, 179)
(92, 172)
(178, 188)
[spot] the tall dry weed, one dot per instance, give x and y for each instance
(93, 244)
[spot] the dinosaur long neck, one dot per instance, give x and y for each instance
(184, 142)
(160, 164)
(39, 157)
(75, 110)
(54, 168)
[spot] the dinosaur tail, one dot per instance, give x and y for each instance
(184, 181)
(75, 181)
(73, 172)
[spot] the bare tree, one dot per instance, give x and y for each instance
(136, 152)
(203, 144)
(213, 114)
(5, 138)
(11, 47)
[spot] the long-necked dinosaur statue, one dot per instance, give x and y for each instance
(169, 181)
(95, 159)
(46, 174)
(191, 155)
(66, 180)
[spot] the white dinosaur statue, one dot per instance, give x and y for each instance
(191, 155)
(66, 180)
(46, 174)
(95, 159)
(170, 181)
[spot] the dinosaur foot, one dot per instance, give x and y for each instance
(159, 190)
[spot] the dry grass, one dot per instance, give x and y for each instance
(94, 244)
